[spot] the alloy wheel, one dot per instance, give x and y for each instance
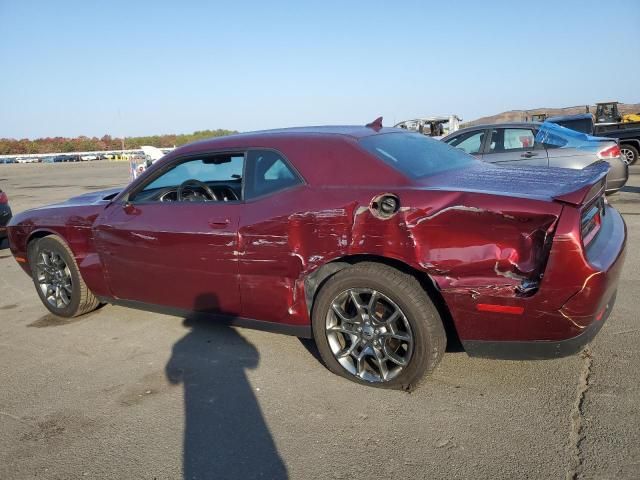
(369, 335)
(54, 278)
(627, 155)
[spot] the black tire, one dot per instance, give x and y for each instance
(81, 299)
(403, 290)
(631, 153)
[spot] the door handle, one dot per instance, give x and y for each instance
(219, 223)
(528, 154)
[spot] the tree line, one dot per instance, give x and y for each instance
(9, 146)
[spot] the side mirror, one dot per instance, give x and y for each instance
(129, 208)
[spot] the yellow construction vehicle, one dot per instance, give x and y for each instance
(631, 117)
(607, 112)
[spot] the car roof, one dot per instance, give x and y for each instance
(352, 131)
(316, 152)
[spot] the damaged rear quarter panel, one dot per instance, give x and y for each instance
(470, 245)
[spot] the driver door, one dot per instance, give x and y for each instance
(175, 253)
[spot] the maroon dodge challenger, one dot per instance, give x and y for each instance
(376, 242)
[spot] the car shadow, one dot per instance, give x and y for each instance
(4, 244)
(225, 434)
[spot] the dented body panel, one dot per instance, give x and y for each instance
(478, 240)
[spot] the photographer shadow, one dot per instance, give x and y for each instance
(225, 434)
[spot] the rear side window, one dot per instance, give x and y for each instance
(415, 155)
(268, 172)
(511, 139)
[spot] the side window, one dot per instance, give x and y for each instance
(470, 142)
(211, 178)
(511, 139)
(268, 172)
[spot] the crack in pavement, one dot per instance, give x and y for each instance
(576, 416)
(14, 417)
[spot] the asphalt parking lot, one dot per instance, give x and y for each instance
(103, 396)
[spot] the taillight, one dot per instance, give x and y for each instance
(592, 221)
(609, 152)
(3, 197)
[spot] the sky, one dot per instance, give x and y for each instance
(152, 67)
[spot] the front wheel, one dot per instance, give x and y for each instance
(57, 278)
(377, 326)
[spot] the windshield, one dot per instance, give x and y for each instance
(554, 135)
(415, 155)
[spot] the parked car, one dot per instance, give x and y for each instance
(367, 239)
(67, 158)
(627, 134)
(541, 145)
(7, 160)
(5, 215)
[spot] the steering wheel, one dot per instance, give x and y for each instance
(202, 185)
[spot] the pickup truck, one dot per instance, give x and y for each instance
(628, 134)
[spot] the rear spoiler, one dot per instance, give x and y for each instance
(589, 183)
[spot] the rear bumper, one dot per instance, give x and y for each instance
(617, 176)
(576, 294)
(539, 350)
(615, 184)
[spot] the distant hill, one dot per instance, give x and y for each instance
(523, 115)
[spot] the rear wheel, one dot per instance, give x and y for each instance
(629, 154)
(57, 279)
(377, 326)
